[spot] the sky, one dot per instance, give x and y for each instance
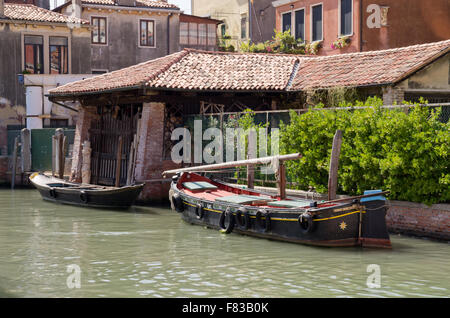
(184, 5)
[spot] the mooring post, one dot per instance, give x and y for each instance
(281, 179)
(59, 153)
(334, 165)
(25, 156)
(119, 161)
(14, 163)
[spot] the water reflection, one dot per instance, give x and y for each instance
(151, 252)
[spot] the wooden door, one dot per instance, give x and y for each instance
(114, 121)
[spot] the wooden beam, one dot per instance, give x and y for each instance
(239, 163)
(281, 180)
(14, 163)
(119, 161)
(334, 165)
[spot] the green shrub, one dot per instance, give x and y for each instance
(389, 149)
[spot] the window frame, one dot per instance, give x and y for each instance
(282, 19)
(154, 33)
(41, 53)
(312, 22)
(61, 62)
(340, 20)
(244, 17)
(98, 30)
(295, 24)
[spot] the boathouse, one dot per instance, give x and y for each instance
(134, 110)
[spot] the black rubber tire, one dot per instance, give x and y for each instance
(199, 211)
(84, 197)
(178, 203)
(306, 223)
(266, 224)
(227, 228)
(242, 218)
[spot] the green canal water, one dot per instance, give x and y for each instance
(151, 252)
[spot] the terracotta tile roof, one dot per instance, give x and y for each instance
(218, 71)
(197, 70)
(366, 68)
(139, 3)
(29, 12)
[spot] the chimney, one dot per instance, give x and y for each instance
(76, 9)
(126, 3)
(2, 8)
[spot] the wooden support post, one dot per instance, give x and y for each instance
(119, 161)
(252, 139)
(281, 176)
(59, 153)
(86, 163)
(54, 142)
(334, 165)
(14, 163)
(25, 156)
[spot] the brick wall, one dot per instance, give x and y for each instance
(149, 159)
(419, 219)
(3, 170)
(85, 116)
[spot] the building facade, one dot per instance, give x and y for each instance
(234, 14)
(198, 33)
(127, 32)
(344, 26)
(36, 41)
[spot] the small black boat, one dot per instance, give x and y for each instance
(356, 221)
(95, 196)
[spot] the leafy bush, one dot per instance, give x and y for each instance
(389, 149)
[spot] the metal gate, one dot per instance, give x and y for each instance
(114, 121)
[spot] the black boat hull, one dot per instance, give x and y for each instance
(118, 198)
(347, 224)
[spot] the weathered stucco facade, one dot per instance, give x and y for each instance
(12, 50)
(122, 46)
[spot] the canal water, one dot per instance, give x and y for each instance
(48, 250)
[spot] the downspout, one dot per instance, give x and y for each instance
(250, 28)
(361, 17)
(168, 32)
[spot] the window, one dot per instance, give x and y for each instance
(58, 51)
(202, 34)
(286, 21)
(223, 30)
(243, 27)
(300, 24)
(193, 34)
(212, 34)
(147, 33)
(346, 18)
(316, 23)
(34, 55)
(98, 35)
(184, 33)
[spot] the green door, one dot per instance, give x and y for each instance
(41, 149)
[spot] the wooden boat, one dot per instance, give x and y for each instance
(62, 191)
(354, 221)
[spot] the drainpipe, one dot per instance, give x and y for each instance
(250, 28)
(361, 18)
(168, 32)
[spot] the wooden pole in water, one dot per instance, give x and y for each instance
(14, 163)
(119, 161)
(281, 176)
(334, 165)
(25, 148)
